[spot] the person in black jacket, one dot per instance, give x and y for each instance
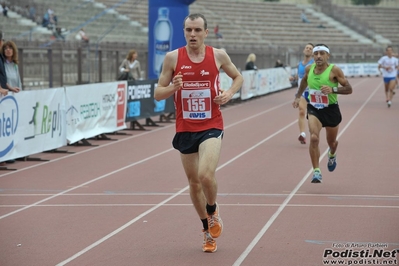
(3, 76)
(250, 65)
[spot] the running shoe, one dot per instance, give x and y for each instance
(316, 177)
(209, 244)
(332, 162)
(302, 139)
(389, 103)
(215, 223)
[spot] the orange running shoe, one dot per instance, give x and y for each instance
(209, 244)
(215, 223)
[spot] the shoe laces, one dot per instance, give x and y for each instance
(331, 160)
(208, 238)
(212, 219)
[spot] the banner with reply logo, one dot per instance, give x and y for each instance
(31, 122)
(95, 109)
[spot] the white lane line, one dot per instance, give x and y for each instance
(116, 231)
(84, 151)
(123, 168)
(86, 183)
(190, 205)
(124, 139)
(133, 194)
(249, 248)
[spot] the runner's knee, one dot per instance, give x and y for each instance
(314, 138)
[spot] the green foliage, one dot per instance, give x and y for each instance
(366, 2)
(271, 0)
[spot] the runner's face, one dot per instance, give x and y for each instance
(389, 52)
(308, 50)
(194, 32)
(320, 57)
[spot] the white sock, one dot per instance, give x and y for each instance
(303, 134)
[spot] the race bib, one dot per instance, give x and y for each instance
(318, 99)
(196, 104)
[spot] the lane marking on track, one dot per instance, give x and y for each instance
(138, 135)
(135, 163)
(133, 194)
(249, 248)
(189, 205)
(158, 205)
(116, 231)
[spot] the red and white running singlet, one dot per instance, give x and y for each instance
(195, 108)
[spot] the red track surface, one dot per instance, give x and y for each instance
(126, 202)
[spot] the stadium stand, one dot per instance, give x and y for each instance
(273, 30)
(256, 23)
(100, 23)
(382, 20)
(244, 24)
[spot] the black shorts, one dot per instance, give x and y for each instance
(188, 142)
(328, 116)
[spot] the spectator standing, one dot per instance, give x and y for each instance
(32, 13)
(218, 35)
(279, 63)
(45, 20)
(132, 65)
(4, 86)
(82, 36)
(10, 53)
(3, 75)
(250, 65)
(4, 9)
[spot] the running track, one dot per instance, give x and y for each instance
(125, 202)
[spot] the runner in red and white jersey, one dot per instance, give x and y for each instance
(195, 109)
(191, 74)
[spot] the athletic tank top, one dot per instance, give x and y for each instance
(316, 97)
(195, 108)
(301, 68)
(301, 72)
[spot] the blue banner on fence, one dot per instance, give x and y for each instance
(141, 103)
(165, 31)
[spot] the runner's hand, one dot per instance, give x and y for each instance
(223, 97)
(178, 81)
(295, 104)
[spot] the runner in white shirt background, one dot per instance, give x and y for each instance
(388, 67)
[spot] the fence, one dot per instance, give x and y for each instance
(72, 63)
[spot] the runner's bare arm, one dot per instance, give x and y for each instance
(167, 84)
(224, 62)
(338, 75)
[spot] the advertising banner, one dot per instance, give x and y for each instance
(359, 69)
(95, 109)
(141, 103)
(264, 81)
(31, 122)
(225, 84)
(165, 31)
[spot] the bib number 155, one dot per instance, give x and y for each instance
(196, 105)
